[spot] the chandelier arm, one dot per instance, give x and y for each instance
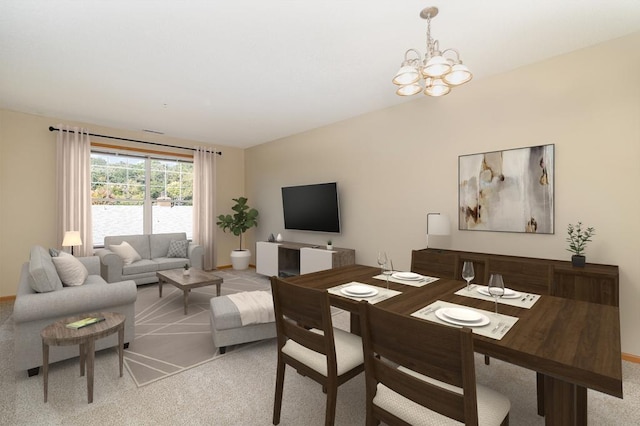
(454, 51)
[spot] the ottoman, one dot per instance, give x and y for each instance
(227, 328)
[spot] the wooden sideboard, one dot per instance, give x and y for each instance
(285, 259)
(593, 283)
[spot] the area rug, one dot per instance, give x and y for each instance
(167, 341)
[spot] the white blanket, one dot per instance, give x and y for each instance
(255, 307)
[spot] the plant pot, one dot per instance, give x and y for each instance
(186, 272)
(578, 261)
(329, 247)
(240, 259)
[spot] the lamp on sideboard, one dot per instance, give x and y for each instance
(71, 239)
(437, 224)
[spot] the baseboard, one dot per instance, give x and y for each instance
(631, 358)
(7, 299)
(231, 266)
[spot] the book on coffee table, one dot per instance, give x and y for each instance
(84, 322)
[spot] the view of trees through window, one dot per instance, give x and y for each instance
(136, 195)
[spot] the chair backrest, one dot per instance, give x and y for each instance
(299, 309)
(439, 352)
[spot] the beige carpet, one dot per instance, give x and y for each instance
(167, 341)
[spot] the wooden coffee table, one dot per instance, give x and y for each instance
(196, 278)
(58, 334)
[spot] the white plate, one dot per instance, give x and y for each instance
(508, 293)
(484, 321)
(462, 315)
(409, 276)
(359, 290)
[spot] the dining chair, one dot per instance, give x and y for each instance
(308, 342)
(423, 373)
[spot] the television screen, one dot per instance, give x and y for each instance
(311, 207)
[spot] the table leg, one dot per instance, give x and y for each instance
(564, 403)
(218, 290)
(160, 286)
(121, 347)
(82, 347)
(186, 300)
(45, 368)
(91, 354)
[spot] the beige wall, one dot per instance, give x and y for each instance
(395, 165)
(27, 186)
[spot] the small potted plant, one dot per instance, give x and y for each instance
(329, 245)
(186, 270)
(578, 239)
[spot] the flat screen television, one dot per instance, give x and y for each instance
(311, 207)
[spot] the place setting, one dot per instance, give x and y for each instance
(399, 277)
(360, 291)
(488, 324)
(507, 297)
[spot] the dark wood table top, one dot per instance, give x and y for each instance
(571, 340)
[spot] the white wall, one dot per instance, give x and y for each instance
(395, 165)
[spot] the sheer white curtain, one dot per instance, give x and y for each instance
(204, 204)
(73, 186)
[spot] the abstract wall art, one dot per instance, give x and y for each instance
(508, 191)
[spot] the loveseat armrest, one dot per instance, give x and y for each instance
(72, 300)
(92, 263)
(110, 265)
(195, 252)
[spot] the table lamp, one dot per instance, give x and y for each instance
(71, 239)
(437, 224)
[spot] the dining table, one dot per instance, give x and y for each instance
(574, 345)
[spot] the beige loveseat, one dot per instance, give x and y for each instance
(42, 299)
(154, 256)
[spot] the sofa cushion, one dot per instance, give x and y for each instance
(126, 252)
(43, 276)
(139, 267)
(159, 243)
(70, 270)
(165, 263)
(178, 248)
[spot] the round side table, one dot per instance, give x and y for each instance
(57, 334)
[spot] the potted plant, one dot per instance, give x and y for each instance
(578, 239)
(186, 269)
(243, 218)
(329, 245)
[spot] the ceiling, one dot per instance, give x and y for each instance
(241, 73)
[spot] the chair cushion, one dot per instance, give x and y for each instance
(493, 407)
(43, 276)
(348, 352)
(126, 252)
(178, 248)
(71, 271)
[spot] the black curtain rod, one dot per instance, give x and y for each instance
(53, 129)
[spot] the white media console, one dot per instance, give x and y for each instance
(287, 259)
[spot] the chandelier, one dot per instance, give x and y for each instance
(436, 73)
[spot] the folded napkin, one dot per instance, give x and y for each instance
(497, 327)
(525, 300)
(383, 293)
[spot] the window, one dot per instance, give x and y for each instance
(140, 195)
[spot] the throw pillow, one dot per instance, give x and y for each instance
(178, 248)
(71, 271)
(126, 252)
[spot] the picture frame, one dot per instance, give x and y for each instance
(507, 191)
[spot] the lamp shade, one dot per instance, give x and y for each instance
(438, 224)
(71, 238)
(459, 74)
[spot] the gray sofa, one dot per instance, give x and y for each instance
(153, 249)
(33, 310)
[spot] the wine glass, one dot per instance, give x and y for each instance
(387, 270)
(467, 273)
(382, 260)
(496, 288)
